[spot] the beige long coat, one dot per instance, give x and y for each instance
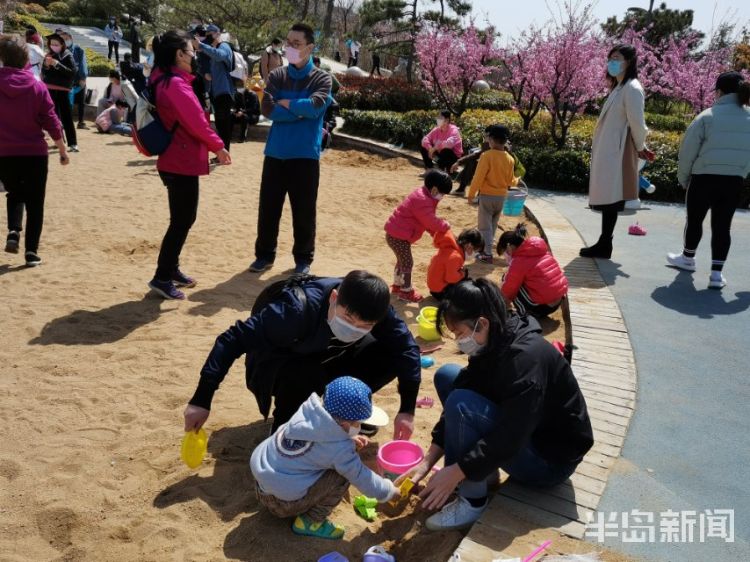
(619, 134)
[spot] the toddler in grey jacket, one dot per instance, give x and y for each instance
(304, 469)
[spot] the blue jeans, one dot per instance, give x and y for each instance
(469, 416)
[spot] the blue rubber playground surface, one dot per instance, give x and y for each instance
(688, 448)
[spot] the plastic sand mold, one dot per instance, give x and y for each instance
(333, 557)
(365, 507)
(426, 362)
(194, 447)
(405, 488)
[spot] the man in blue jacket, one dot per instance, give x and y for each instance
(222, 84)
(313, 331)
(79, 82)
(296, 99)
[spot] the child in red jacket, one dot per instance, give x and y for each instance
(447, 266)
(408, 223)
(534, 282)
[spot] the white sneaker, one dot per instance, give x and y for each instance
(457, 514)
(681, 262)
(717, 281)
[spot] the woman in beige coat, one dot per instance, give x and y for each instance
(619, 139)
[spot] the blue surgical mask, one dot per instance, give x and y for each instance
(614, 67)
(344, 331)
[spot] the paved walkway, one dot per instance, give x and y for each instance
(688, 447)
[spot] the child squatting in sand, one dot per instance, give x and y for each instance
(304, 469)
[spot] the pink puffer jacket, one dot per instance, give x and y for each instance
(533, 266)
(414, 215)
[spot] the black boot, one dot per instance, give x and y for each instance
(602, 249)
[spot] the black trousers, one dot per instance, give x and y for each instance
(182, 192)
(25, 180)
(223, 118)
(375, 65)
(467, 174)
(719, 194)
(64, 111)
(79, 100)
(445, 158)
(116, 46)
(299, 376)
(299, 178)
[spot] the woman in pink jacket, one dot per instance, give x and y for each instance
(534, 282)
(408, 223)
(26, 111)
(186, 158)
(443, 144)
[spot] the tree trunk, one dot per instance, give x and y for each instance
(328, 18)
(305, 9)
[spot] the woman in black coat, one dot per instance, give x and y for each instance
(58, 72)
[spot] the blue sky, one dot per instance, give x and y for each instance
(509, 17)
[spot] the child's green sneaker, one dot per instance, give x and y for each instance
(303, 525)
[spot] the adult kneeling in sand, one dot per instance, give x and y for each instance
(307, 332)
(515, 406)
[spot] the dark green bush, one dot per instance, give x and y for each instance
(493, 99)
(667, 122)
(98, 65)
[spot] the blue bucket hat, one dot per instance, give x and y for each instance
(348, 399)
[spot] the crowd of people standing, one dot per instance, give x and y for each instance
(516, 406)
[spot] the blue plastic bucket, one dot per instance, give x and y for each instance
(514, 201)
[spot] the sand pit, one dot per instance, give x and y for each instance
(96, 372)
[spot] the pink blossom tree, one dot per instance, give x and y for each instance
(452, 60)
(568, 70)
(517, 61)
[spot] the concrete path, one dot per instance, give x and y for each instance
(688, 448)
(91, 37)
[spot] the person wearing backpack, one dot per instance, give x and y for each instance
(306, 331)
(186, 157)
(222, 84)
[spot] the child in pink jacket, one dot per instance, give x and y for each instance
(407, 224)
(443, 144)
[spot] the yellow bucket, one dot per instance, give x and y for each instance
(427, 328)
(429, 313)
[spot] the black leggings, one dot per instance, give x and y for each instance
(183, 209)
(445, 158)
(25, 180)
(64, 111)
(720, 194)
(223, 118)
(116, 46)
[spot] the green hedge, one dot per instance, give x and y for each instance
(667, 122)
(563, 170)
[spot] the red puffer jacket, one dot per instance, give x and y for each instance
(533, 266)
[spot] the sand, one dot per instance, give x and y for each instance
(96, 371)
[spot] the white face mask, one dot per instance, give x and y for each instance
(68, 43)
(439, 196)
(440, 121)
(507, 257)
(353, 430)
(344, 331)
(469, 345)
(241, 90)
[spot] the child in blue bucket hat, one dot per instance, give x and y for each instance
(304, 469)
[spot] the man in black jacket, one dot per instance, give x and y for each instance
(313, 331)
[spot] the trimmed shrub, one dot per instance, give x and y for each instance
(493, 99)
(18, 23)
(393, 94)
(98, 64)
(34, 9)
(667, 122)
(59, 9)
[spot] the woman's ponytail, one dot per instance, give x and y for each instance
(513, 237)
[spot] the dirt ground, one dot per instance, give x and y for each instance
(97, 371)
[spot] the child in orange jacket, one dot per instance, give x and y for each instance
(447, 266)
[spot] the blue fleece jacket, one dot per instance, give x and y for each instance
(222, 58)
(291, 460)
(296, 132)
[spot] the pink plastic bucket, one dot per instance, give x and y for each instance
(397, 457)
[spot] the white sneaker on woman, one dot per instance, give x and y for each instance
(681, 262)
(457, 514)
(717, 281)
